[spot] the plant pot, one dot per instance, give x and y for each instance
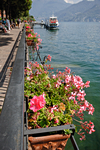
(49, 142)
(29, 42)
(27, 33)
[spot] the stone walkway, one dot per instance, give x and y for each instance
(7, 46)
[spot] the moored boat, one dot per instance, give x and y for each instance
(52, 23)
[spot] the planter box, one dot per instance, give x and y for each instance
(40, 140)
(50, 142)
(27, 33)
(29, 42)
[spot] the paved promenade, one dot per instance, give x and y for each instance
(7, 44)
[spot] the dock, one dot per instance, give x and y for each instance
(38, 23)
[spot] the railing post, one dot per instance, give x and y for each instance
(74, 142)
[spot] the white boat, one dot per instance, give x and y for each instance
(52, 23)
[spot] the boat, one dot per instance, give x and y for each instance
(52, 23)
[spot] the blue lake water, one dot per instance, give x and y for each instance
(77, 45)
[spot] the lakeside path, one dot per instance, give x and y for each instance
(9, 43)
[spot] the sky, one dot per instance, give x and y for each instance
(72, 1)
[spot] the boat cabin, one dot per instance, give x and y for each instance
(53, 19)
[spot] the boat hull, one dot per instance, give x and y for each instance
(52, 28)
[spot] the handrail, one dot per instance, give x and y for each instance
(49, 129)
(37, 57)
(12, 115)
(13, 133)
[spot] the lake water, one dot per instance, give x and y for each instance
(77, 46)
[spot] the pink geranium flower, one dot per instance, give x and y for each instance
(87, 84)
(56, 121)
(37, 102)
(49, 58)
(27, 27)
(30, 35)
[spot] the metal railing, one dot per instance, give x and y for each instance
(13, 119)
(42, 131)
(34, 55)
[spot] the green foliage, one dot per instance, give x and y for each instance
(67, 131)
(16, 8)
(57, 110)
(56, 99)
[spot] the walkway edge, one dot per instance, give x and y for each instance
(11, 119)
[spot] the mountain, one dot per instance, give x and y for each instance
(42, 9)
(84, 11)
(91, 15)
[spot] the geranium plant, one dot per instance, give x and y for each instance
(27, 26)
(56, 99)
(31, 36)
(28, 30)
(34, 37)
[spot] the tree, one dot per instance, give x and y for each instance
(15, 8)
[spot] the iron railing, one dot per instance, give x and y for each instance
(32, 58)
(34, 55)
(13, 119)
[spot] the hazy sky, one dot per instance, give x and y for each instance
(72, 1)
(75, 1)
